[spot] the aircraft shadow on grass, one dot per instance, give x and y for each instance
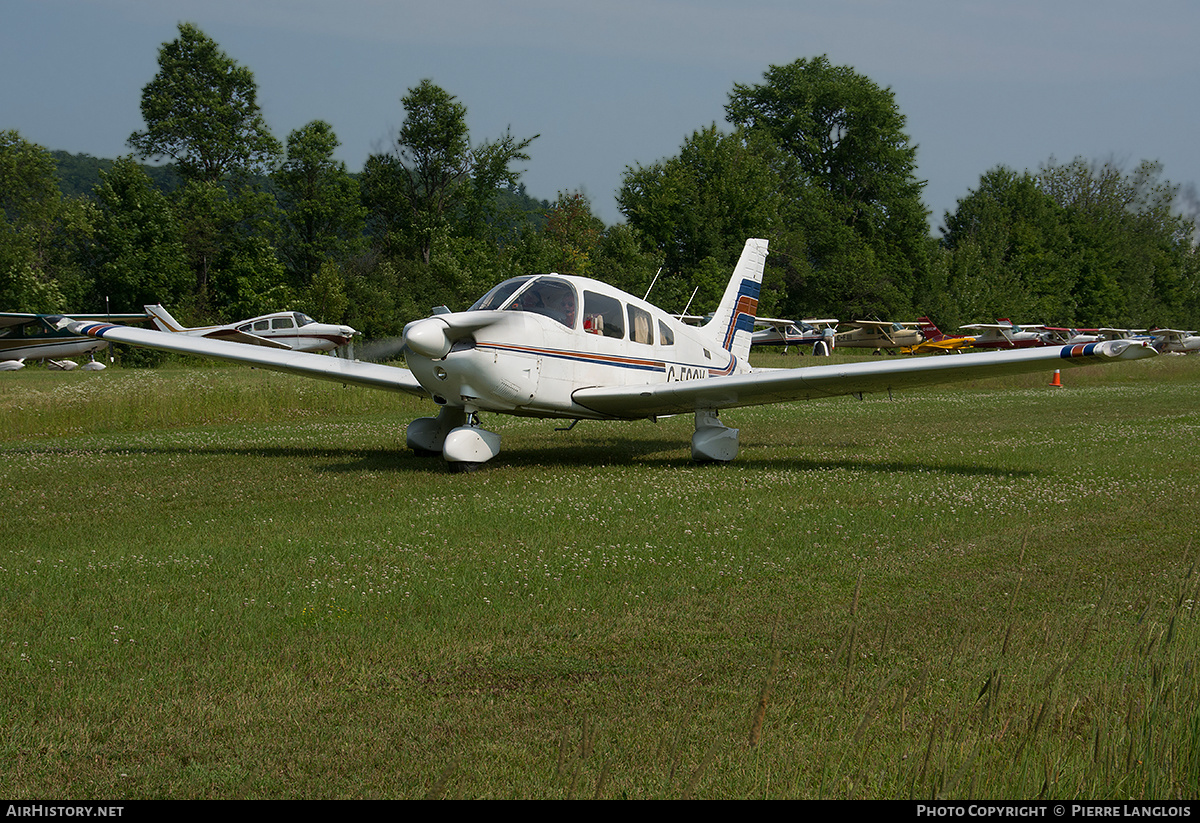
(584, 454)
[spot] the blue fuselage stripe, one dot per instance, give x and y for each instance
(615, 361)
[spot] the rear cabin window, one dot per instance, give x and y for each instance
(603, 315)
(641, 326)
(665, 336)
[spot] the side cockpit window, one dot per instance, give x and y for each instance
(551, 297)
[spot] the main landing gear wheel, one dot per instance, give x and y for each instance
(713, 442)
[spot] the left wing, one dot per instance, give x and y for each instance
(788, 385)
(321, 366)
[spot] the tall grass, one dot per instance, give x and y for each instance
(232, 583)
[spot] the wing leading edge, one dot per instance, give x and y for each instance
(790, 385)
(321, 366)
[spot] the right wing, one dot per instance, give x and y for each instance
(320, 366)
(812, 382)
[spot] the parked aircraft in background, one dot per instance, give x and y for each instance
(879, 335)
(1067, 337)
(554, 346)
(26, 336)
(936, 341)
(282, 330)
(1004, 334)
(1175, 341)
(820, 334)
(1124, 334)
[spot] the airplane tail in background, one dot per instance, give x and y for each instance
(162, 319)
(733, 322)
(932, 333)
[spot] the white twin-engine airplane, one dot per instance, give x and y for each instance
(564, 347)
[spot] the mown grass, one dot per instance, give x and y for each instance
(222, 582)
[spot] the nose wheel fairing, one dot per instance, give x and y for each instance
(456, 435)
(470, 446)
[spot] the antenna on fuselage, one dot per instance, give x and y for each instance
(646, 296)
(689, 302)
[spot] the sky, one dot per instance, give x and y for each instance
(609, 85)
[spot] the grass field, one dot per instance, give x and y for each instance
(229, 583)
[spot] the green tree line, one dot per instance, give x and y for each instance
(213, 216)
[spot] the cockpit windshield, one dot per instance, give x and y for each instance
(302, 319)
(550, 296)
(497, 298)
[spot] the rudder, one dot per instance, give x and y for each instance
(162, 319)
(733, 322)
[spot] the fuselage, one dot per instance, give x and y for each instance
(874, 337)
(34, 339)
(791, 335)
(1004, 335)
(1178, 342)
(531, 342)
(297, 331)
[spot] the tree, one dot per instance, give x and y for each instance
(139, 257)
(697, 209)
(433, 179)
(41, 234)
(201, 111)
(1135, 250)
(573, 233)
(1010, 252)
(322, 218)
(1081, 243)
(847, 173)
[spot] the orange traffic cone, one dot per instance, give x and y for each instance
(1057, 381)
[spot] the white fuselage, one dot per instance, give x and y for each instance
(871, 337)
(50, 348)
(514, 354)
(298, 331)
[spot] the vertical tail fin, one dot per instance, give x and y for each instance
(733, 322)
(931, 332)
(162, 319)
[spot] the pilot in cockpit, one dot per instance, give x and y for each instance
(555, 300)
(560, 304)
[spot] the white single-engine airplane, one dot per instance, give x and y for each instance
(880, 335)
(1175, 341)
(573, 348)
(282, 330)
(821, 334)
(1004, 334)
(26, 336)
